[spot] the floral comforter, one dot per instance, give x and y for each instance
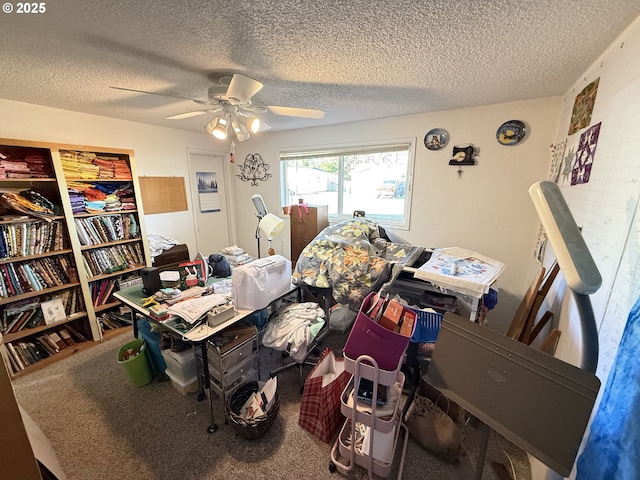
(352, 260)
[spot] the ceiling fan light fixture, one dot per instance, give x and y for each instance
(254, 124)
(217, 127)
(242, 134)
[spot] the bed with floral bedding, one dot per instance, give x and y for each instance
(352, 259)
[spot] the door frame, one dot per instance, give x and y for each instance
(228, 194)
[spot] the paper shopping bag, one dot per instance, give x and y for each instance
(320, 406)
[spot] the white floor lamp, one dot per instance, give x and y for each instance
(268, 224)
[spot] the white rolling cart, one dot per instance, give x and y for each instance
(376, 427)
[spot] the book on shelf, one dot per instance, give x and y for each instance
(21, 321)
(45, 337)
(46, 345)
(14, 313)
(79, 337)
(66, 337)
(16, 358)
(53, 311)
(13, 364)
(57, 339)
(39, 350)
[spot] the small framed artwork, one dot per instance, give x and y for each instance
(436, 139)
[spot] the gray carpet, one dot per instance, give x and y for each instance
(102, 427)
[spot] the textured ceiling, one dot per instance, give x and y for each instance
(354, 59)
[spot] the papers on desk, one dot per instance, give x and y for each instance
(464, 271)
(194, 309)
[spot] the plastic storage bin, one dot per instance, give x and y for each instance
(427, 326)
(184, 387)
(138, 367)
(181, 366)
(152, 342)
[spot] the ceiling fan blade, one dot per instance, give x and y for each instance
(297, 112)
(264, 126)
(155, 93)
(242, 88)
(195, 113)
(180, 116)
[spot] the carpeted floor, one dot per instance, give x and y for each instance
(102, 427)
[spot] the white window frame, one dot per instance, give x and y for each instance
(402, 224)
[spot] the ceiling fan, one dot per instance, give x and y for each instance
(229, 97)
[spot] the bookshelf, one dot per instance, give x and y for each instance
(93, 238)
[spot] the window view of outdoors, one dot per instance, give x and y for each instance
(374, 182)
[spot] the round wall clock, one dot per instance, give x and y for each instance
(511, 132)
(436, 139)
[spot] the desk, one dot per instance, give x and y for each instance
(133, 297)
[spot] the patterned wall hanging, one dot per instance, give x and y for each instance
(581, 171)
(253, 169)
(567, 165)
(557, 157)
(583, 107)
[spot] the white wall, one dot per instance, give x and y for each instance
(158, 151)
(487, 210)
(606, 206)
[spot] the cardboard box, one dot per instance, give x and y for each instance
(392, 316)
(408, 320)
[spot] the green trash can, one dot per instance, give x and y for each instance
(135, 361)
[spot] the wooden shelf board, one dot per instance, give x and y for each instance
(15, 298)
(109, 244)
(6, 219)
(114, 274)
(98, 180)
(116, 332)
(98, 214)
(106, 306)
(35, 257)
(27, 180)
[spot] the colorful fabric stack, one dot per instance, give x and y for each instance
(79, 164)
(127, 198)
(112, 203)
(121, 169)
(38, 166)
(77, 201)
(15, 168)
(98, 197)
(110, 167)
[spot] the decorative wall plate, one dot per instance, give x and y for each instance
(436, 139)
(511, 132)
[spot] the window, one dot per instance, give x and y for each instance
(372, 178)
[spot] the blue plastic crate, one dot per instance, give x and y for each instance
(427, 326)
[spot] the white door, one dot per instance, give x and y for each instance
(210, 200)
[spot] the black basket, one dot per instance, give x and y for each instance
(249, 428)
